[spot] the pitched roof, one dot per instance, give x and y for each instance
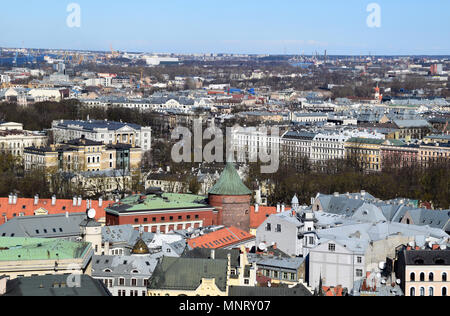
(256, 219)
(230, 183)
(222, 238)
(28, 207)
(55, 285)
(20, 249)
(187, 273)
(44, 226)
(245, 291)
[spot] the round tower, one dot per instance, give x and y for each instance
(232, 199)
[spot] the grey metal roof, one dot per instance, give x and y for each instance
(92, 125)
(55, 285)
(43, 226)
(124, 234)
(123, 266)
(249, 291)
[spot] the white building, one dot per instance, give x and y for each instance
(14, 139)
(106, 132)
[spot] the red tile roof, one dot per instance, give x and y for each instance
(221, 238)
(333, 291)
(27, 207)
(256, 219)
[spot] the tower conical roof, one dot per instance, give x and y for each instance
(230, 183)
(140, 248)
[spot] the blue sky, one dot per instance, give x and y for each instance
(232, 26)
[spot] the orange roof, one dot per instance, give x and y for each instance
(256, 219)
(221, 238)
(27, 207)
(333, 291)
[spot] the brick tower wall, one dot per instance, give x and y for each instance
(233, 210)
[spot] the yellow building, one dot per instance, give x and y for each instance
(82, 155)
(366, 151)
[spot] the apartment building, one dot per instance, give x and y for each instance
(424, 272)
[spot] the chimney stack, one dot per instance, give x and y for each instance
(100, 202)
(36, 199)
(278, 207)
(10, 199)
(213, 254)
(80, 199)
(74, 201)
(53, 200)
(14, 199)
(283, 208)
(256, 208)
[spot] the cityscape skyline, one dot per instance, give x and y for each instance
(291, 28)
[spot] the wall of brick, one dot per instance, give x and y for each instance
(233, 210)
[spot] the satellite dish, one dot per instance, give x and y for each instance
(398, 281)
(383, 281)
(91, 213)
(262, 246)
(382, 265)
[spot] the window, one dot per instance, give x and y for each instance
(278, 228)
(430, 291)
(359, 273)
(422, 291)
(444, 291)
(332, 247)
(247, 281)
(422, 277)
(444, 277)
(412, 277)
(268, 227)
(412, 292)
(359, 259)
(431, 276)
(121, 281)
(133, 282)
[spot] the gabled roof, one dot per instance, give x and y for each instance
(230, 183)
(187, 273)
(44, 226)
(222, 238)
(55, 285)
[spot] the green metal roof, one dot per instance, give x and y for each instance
(187, 273)
(20, 249)
(230, 183)
(152, 202)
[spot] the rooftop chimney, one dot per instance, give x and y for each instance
(80, 199)
(14, 201)
(36, 199)
(213, 254)
(100, 202)
(283, 208)
(256, 208)
(74, 201)
(278, 208)
(54, 200)
(10, 198)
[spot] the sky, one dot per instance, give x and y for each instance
(408, 27)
